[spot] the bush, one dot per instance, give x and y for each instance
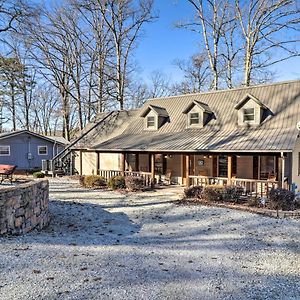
(117, 182)
(253, 201)
(232, 194)
(193, 192)
(213, 192)
(281, 199)
(93, 181)
(134, 183)
(81, 180)
(38, 175)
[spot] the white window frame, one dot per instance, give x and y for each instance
(190, 118)
(152, 126)
(8, 147)
(39, 147)
(244, 114)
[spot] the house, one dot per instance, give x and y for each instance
(245, 136)
(27, 149)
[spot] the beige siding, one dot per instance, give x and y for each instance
(109, 161)
(295, 165)
(257, 113)
(89, 163)
(244, 168)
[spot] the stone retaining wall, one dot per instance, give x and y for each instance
(24, 207)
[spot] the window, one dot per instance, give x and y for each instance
(248, 114)
(43, 150)
(194, 119)
(4, 150)
(150, 122)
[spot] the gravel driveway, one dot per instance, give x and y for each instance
(106, 245)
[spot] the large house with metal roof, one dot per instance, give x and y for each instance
(27, 149)
(244, 136)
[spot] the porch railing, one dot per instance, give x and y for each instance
(205, 180)
(249, 186)
(146, 176)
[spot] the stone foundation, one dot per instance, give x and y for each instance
(24, 207)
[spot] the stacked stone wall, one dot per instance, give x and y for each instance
(24, 207)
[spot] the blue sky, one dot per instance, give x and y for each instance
(162, 43)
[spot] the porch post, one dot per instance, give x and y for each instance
(98, 163)
(137, 162)
(187, 169)
(229, 169)
(282, 169)
(122, 162)
(152, 166)
(80, 162)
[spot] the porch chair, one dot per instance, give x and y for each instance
(168, 176)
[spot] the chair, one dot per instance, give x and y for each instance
(168, 176)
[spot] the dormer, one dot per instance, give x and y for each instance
(198, 114)
(250, 111)
(154, 117)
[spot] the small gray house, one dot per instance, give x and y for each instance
(27, 149)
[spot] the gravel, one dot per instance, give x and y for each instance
(108, 245)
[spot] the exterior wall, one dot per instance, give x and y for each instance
(20, 147)
(144, 162)
(24, 207)
(151, 114)
(206, 169)
(174, 164)
(295, 165)
(89, 163)
(244, 167)
(109, 161)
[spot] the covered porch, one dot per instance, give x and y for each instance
(256, 174)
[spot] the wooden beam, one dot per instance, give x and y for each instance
(98, 163)
(187, 169)
(80, 162)
(137, 162)
(152, 169)
(122, 162)
(229, 168)
(282, 169)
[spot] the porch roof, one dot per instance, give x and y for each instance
(277, 131)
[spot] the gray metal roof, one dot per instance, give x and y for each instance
(276, 133)
(57, 139)
(160, 111)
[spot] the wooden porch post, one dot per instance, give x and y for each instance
(229, 169)
(137, 162)
(187, 169)
(152, 166)
(98, 163)
(122, 162)
(80, 162)
(282, 169)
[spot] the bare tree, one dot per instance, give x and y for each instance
(268, 27)
(196, 72)
(125, 19)
(211, 19)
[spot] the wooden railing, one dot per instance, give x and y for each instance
(205, 180)
(255, 187)
(249, 186)
(146, 176)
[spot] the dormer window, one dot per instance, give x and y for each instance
(194, 119)
(198, 114)
(154, 117)
(251, 111)
(249, 115)
(150, 122)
